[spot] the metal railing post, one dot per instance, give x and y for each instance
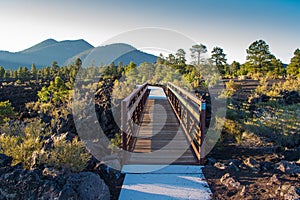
(202, 129)
(124, 124)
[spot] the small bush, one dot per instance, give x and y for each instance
(282, 121)
(230, 89)
(22, 144)
(115, 142)
(257, 76)
(8, 145)
(6, 111)
(262, 87)
(231, 130)
(68, 155)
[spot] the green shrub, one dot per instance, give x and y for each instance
(115, 142)
(282, 121)
(23, 142)
(14, 129)
(230, 89)
(6, 111)
(20, 143)
(262, 87)
(8, 146)
(56, 93)
(70, 155)
(254, 126)
(231, 129)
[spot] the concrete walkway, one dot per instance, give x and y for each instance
(156, 93)
(169, 182)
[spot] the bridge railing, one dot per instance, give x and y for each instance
(131, 111)
(190, 111)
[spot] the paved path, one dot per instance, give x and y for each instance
(172, 182)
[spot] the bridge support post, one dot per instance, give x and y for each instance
(123, 124)
(202, 130)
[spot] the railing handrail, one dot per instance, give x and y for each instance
(131, 109)
(129, 98)
(188, 105)
(187, 94)
(189, 109)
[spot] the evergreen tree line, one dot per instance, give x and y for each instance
(50, 72)
(259, 62)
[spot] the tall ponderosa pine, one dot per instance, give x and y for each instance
(276, 67)
(234, 68)
(219, 59)
(259, 56)
(14, 74)
(293, 68)
(34, 71)
(23, 72)
(171, 59)
(180, 56)
(196, 52)
(2, 72)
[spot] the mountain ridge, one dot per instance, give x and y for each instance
(39, 45)
(66, 51)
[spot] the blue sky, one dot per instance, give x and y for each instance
(230, 24)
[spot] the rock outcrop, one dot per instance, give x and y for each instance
(18, 183)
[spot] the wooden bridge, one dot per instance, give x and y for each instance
(153, 117)
(163, 126)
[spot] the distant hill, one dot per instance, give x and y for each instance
(65, 52)
(44, 53)
(118, 52)
(39, 46)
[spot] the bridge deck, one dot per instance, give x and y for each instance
(161, 139)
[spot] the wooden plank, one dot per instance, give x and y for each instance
(164, 133)
(161, 161)
(142, 147)
(183, 151)
(154, 135)
(162, 155)
(163, 169)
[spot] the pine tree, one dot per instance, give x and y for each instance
(234, 68)
(180, 56)
(293, 68)
(259, 56)
(196, 52)
(219, 58)
(2, 72)
(34, 71)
